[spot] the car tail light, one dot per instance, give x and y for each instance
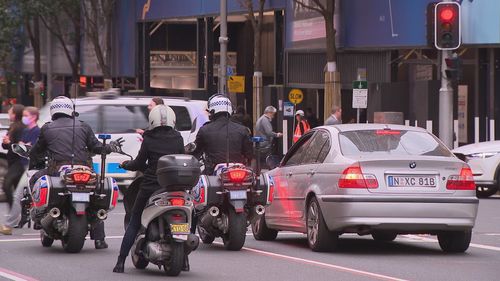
(353, 177)
(81, 178)
(177, 201)
(270, 194)
(464, 181)
(237, 175)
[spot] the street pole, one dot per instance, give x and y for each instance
(48, 59)
(223, 47)
(445, 102)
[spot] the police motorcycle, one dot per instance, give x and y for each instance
(65, 205)
(165, 238)
(228, 201)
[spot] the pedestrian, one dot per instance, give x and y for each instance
(15, 169)
(311, 118)
(154, 102)
(264, 129)
(336, 117)
(29, 137)
(302, 126)
(242, 117)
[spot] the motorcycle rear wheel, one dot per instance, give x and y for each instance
(234, 239)
(46, 240)
(77, 230)
(173, 266)
(205, 237)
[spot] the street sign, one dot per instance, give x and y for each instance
(359, 84)
(229, 71)
(288, 109)
(359, 98)
(236, 84)
(295, 96)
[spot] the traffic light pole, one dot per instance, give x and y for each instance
(223, 47)
(445, 104)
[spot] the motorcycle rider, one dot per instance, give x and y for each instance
(160, 139)
(221, 135)
(67, 141)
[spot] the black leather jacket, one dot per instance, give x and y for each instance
(212, 140)
(56, 141)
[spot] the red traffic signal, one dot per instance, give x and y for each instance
(447, 27)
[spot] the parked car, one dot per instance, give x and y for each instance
(376, 179)
(121, 116)
(484, 160)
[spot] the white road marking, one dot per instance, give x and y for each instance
(474, 245)
(38, 239)
(317, 263)
(14, 276)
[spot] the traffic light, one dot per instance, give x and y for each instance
(453, 70)
(447, 27)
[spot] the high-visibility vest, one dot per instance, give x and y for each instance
(297, 134)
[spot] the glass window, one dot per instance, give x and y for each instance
(90, 115)
(316, 147)
(295, 156)
(392, 142)
(123, 119)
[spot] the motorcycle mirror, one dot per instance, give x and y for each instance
(21, 149)
(190, 147)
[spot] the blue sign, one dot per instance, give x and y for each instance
(480, 21)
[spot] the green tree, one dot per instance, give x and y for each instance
(10, 40)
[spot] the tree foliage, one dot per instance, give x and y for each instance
(11, 38)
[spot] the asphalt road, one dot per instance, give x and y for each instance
(410, 257)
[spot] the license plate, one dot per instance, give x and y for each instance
(179, 228)
(80, 197)
(240, 194)
(411, 181)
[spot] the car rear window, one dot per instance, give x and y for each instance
(393, 142)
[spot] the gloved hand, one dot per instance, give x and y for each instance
(116, 145)
(124, 164)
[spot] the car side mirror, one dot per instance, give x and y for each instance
(22, 150)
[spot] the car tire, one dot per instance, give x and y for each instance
(384, 236)
(319, 238)
(454, 241)
(485, 191)
(261, 232)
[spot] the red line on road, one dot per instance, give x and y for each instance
(322, 264)
(11, 275)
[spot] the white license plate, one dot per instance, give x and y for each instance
(240, 194)
(411, 181)
(80, 197)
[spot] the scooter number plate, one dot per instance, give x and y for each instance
(179, 228)
(80, 197)
(236, 195)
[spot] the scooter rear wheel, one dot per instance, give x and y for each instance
(173, 266)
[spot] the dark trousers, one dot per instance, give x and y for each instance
(135, 221)
(12, 177)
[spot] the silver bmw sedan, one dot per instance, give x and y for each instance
(375, 179)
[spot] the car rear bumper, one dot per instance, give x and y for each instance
(361, 214)
(485, 182)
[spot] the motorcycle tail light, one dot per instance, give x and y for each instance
(464, 181)
(81, 178)
(177, 201)
(237, 175)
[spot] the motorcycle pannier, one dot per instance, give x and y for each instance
(178, 171)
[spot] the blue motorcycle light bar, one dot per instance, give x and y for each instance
(104, 136)
(257, 139)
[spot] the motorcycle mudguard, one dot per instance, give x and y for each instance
(80, 208)
(239, 205)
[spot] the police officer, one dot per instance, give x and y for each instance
(221, 135)
(160, 139)
(67, 141)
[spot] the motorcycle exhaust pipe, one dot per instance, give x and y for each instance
(214, 211)
(102, 214)
(191, 244)
(55, 213)
(260, 210)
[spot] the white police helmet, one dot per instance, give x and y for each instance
(61, 104)
(219, 103)
(300, 112)
(161, 115)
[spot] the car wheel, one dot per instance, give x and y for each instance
(384, 236)
(319, 238)
(454, 241)
(485, 191)
(261, 232)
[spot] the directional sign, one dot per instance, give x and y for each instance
(288, 109)
(360, 84)
(295, 96)
(359, 98)
(236, 84)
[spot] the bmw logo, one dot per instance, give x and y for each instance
(413, 165)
